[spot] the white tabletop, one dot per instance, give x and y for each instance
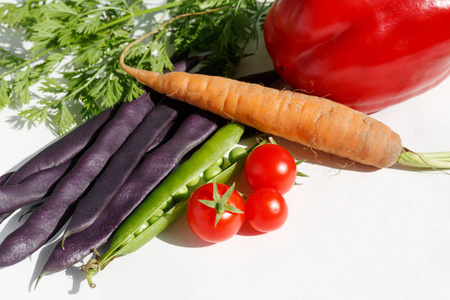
(354, 233)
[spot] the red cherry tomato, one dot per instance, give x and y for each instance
(270, 166)
(266, 210)
(202, 218)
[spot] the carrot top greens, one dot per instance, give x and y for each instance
(69, 50)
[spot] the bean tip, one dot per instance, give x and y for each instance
(37, 280)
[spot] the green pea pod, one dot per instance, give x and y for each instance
(125, 240)
(169, 217)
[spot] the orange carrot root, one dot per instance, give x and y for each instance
(311, 121)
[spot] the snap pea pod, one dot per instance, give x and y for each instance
(173, 214)
(163, 221)
(158, 225)
(231, 168)
(124, 240)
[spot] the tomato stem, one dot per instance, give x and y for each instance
(271, 140)
(219, 202)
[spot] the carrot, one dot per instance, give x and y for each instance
(312, 121)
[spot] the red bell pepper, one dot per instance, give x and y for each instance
(365, 54)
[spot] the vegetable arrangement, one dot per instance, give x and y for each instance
(54, 212)
(131, 171)
(109, 168)
(216, 212)
(367, 55)
(169, 200)
(312, 121)
(123, 188)
(149, 173)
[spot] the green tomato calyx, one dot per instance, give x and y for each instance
(219, 203)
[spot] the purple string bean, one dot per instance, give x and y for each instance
(150, 171)
(4, 178)
(33, 188)
(63, 149)
(40, 226)
(119, 168)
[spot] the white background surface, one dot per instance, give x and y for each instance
(354, 233)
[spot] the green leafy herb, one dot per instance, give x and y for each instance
(72, 60)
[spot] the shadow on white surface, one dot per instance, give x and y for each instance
(179, 234)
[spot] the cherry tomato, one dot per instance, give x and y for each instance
(205, 217)
(266, 210)
(270, 166)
